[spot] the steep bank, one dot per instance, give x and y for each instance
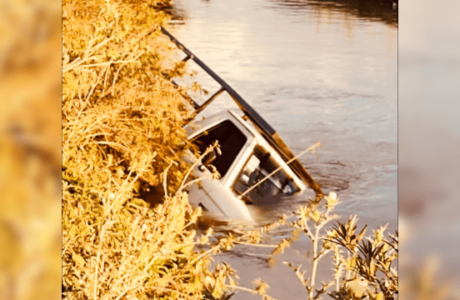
(122, 129)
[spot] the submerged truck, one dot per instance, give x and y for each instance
(254, 163)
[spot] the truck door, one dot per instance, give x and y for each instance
(210, 194)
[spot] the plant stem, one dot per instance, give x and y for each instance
(314, 265)
(338, 269)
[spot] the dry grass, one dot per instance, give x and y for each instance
(122, 131)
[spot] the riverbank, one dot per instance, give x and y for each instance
(122, 131)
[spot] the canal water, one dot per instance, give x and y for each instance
(316, 71)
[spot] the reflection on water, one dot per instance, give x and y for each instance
(316, 71)
(311, 86)
(385, 11)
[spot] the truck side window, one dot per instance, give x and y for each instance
(231, 141)
(259, 165)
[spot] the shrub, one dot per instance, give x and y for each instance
(122, 130)
(365, 272)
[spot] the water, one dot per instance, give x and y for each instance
(316, 71)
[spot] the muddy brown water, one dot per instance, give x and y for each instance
(316, 71)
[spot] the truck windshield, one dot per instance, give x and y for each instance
(231, 141)
(259, 165)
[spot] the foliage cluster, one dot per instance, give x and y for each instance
(363, 266)
(122, 124)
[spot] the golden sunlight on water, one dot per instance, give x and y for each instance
(310, 85)
(316, 71)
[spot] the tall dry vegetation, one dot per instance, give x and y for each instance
(122, 130)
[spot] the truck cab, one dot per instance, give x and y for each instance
(245, 159)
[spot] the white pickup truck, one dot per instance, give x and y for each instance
(246, 158)
(251, 152)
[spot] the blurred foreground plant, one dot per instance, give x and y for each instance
(422, 282)
(30, 138)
